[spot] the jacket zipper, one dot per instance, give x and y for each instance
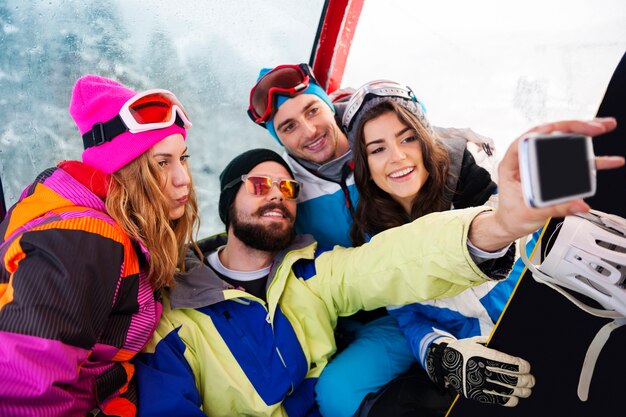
(268, 319)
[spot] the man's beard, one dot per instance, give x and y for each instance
(267, 238)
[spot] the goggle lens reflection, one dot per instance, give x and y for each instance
(261, 185)
(154, 108)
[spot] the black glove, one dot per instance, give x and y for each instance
(478, 372)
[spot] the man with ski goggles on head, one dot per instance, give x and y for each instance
(298, 113)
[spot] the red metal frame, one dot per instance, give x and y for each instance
(334, 38)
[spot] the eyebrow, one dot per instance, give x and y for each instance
(398, 134)
(304, 109)
(374, 142)
(169, 155)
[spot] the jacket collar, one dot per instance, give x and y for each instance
(93, 179)
(199, 286)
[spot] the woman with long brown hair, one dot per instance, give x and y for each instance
(448, 178)
(403, 172)
(87, 248)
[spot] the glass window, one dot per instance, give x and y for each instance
(208, 53)
(497, 67)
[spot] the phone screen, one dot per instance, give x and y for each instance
(563, 165)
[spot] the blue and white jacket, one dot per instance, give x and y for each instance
(324, 206)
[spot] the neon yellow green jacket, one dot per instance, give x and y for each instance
(227, 353)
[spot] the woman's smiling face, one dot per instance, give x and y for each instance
(394, 157)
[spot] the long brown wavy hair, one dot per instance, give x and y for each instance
(377, 210)
(136, 201)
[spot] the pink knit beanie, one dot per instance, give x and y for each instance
(97, 99)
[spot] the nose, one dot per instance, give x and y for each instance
(275, 193)
(309, 128)
(397, 154)
(180, 176)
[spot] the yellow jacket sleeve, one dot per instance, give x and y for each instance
(422, 260)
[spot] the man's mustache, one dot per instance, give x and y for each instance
(272, 206)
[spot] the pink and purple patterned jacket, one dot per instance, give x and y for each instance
(75, 303)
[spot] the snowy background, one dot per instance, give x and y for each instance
(207, 52)
(499, 67)
(479, 64)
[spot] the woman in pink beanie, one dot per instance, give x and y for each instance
(86, 250)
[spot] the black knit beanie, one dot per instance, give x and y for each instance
(239, 166)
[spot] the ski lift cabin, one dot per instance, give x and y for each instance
(498, 68)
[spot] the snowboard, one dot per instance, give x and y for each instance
(553, 334)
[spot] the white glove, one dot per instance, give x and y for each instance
(478, 372)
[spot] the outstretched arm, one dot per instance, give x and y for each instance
(425, 259)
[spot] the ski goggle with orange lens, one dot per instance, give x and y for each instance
(284, 80)
(148, 110)
(261, 185)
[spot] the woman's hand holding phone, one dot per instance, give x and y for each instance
(513, 218)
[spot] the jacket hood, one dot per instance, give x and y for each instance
(54, 190)
(199, 286)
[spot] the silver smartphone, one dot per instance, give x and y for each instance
(556, 168)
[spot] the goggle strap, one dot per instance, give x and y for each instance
(104, 132)
(109, 130)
